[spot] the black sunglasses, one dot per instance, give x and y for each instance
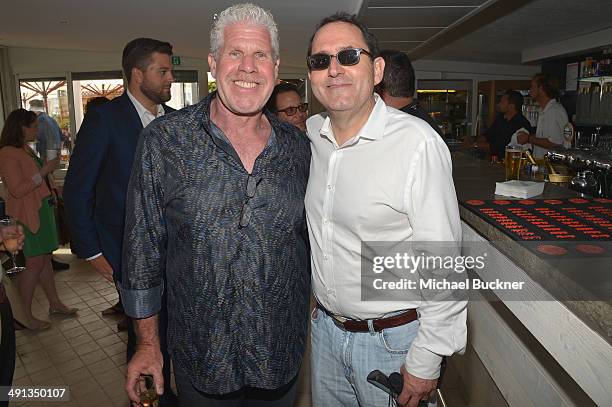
(346, 57)
(292, 110)
(251, 188)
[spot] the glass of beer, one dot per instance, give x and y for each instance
(146, 390)
(10, 238)
(512, 161)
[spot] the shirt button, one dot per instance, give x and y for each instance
(325, 221)
(330, 187)
(325, 257)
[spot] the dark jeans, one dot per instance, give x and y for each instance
(168, 398)
(189, 396)
(7, 347)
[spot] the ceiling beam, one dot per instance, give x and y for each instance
(487, 13)
(575, 45)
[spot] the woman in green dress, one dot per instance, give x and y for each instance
(28, 186)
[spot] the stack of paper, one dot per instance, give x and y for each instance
(519, 189)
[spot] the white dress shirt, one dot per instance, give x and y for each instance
(551, 121)
(391, 182)
(146, 117)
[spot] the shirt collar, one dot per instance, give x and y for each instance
(549, 105)
(141, 110)
(373, 129)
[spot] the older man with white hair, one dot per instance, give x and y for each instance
(215, 217)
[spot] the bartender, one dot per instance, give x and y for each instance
(552, 119)
(509, 120)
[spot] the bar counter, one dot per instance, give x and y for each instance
(576, 334)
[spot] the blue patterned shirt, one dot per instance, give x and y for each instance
(237, 296)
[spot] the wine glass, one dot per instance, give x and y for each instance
(10, 239)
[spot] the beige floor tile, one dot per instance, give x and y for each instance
(36, 365)
(93, 357)
(80, 340)
(77, 376)
(63, 356)
(74, 332)
(109, 340)
(115, 349)
(69, 366)
(116, 389)
(101, 332)
(86, 348)
(102, 366)
(43, 375)
(110, 376)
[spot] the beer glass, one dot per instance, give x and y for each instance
(53, 149)
(512, 161)
(146, 391)
(10, 237)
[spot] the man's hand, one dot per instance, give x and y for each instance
(415, 389)
(101, 265)
(522, 137)
(147, 360)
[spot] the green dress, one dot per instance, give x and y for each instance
(45, 240)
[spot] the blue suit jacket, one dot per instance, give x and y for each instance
(97, 180)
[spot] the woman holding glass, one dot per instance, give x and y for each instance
(28, 187)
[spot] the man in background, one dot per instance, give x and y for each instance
(552, 119)
(49, 133)
(286, 103)
(101, 164)
(509, 120)
(398, 86)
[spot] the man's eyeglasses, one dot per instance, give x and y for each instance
(251, 188)
(292, 110)
(346, 57)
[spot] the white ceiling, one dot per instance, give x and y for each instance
(400, 24)
(537, 23)
(108, 25)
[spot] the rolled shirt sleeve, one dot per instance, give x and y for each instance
(434, 214)
(144, 243)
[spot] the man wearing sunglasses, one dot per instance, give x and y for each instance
(216, 204)
(377, 174)
(286, 103)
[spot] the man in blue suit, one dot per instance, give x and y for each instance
(100, 167)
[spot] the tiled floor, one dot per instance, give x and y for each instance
(85, 352)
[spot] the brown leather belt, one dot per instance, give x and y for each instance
(353, 325)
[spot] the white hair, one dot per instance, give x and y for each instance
(246, 12)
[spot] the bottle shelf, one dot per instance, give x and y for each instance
(596, 79)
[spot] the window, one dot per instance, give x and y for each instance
(184, 90)
(50, 95)
(87, 86)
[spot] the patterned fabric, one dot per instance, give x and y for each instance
(237, 296)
